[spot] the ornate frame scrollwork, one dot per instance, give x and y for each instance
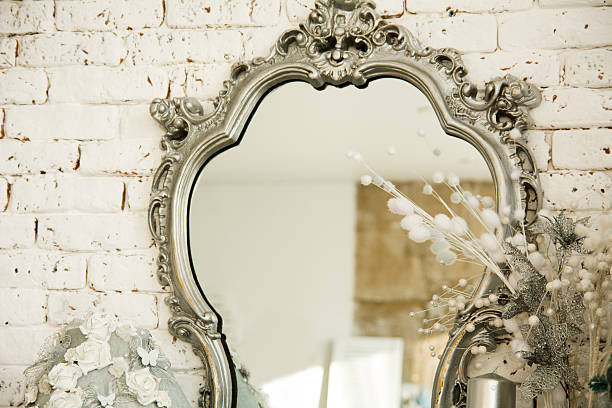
(341, 41)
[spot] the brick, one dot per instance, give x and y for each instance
(542, 68)
(8, 49)
(298, 10)
(96, 84)
(22, 307)
(259, 42)
(206, 82)
(70, 121)
(135, 122)
(573, 107)
(21, 345)
(590, 68)
(538, 143)
(107, 15)
(464, 32)
(181, 46)
(179, 352)
(12, 385)
(215, 13)
(138, 192)
(48, 50)
(4, 194)
(564, 3)
(133, 157)
(163, 311)
(561, 28)
(21, 17)
(23, 86)
(178, 77)
(582, 149)
(472, 6)
(138, 308)
(93, 231)
(580, 190)
(45, 270)
(390, 8)
(17, 157)
(16, 231)
(136, 272)
(60, 193)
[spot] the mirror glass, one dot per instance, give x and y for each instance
(311, 274)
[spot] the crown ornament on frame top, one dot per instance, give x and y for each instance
(341, 41)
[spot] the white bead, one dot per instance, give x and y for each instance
(453, 179)
(438, 177)
(493, 298)
(427, 189)
(391, 150)
(475, 350)
(549, 312)
(533, 320)
(470, 327)
(366, 180)
(421, 132)
(482, 349)
(556, 284)
(443, 223)
(478, 303)
(462, 282)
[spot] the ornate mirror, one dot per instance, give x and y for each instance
(281, 262)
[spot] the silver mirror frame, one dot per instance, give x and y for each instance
(341, 42)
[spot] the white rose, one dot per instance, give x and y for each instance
(64, 376)
(119, 367)
(31, 394)
(126, 332)
(163, 399)
(61, 399)
(99, 326)
(90, 355)
(143, 384)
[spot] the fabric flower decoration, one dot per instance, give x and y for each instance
(119, 367)
(107, 401)
(64, 376)
(143, 384)
(99, 327)
(90, 355)
(148, 358)
(163, 399)
(61, 399)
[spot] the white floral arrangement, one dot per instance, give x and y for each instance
(557, 286)
(100, 362)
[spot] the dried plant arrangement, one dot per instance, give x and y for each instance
(557, 287)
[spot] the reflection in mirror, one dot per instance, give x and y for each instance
(311, 274)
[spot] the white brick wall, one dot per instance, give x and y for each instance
(77, 145)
